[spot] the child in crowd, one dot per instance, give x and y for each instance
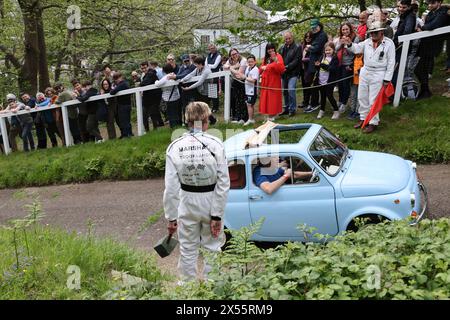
(251, 92)
(328, 71)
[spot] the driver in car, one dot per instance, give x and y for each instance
(271, 173)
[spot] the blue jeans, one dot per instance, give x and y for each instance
(345, 85)
(290, 97)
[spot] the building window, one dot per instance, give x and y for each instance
(205, 39)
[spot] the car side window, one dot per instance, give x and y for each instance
(302, 172)
(236, 169)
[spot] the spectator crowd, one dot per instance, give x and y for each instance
(320, 63)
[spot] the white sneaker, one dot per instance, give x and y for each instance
(335, 115)
(235, 122)
(241, 122)
(342, 108)
(100, 141)
(249, 122)
(321, 114)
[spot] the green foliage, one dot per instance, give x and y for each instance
(414, 264)
(271, 5)
(40, 271)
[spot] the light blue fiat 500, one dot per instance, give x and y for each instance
(338, 186)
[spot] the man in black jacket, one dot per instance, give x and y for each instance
(406, 25)
(92, 107)
(291, 54)
(429, 47)
(319, 40)
(123, 105)
(151, 99)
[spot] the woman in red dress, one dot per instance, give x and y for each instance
(271, 70)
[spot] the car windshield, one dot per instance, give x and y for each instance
(329, 152)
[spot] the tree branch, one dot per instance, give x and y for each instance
(11, 57)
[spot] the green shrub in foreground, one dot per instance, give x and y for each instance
(414, 264)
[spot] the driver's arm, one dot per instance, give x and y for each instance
(271, 187)
(302, 175)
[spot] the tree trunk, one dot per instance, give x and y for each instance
(362, 5)
(61, 55)
(2, 9)
(29, 71)
(44, 77)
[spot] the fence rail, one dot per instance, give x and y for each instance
(406, 39)
(138, 98)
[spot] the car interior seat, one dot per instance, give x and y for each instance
(237, 176)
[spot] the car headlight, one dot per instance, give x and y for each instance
(413, 200)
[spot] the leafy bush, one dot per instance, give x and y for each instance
(391, 260)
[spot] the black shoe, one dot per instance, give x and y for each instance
(311, 109)
(285, 113)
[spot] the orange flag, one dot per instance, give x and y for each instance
(380, 101)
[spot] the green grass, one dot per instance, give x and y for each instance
(42, 269)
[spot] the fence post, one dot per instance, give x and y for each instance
(140, 115)
(401, 73)
(227, 101)
(4, 131)
(67, 133)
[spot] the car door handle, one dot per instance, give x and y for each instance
(255, 198)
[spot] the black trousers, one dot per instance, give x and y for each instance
(174, 113)
(326, 92)
(423, 68)
(82, 124)
(151, 110)
(124, 112)
(75, 130)
(310, 96)
(52, 131)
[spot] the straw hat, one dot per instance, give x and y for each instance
(376, 26)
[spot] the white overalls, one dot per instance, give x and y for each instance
(197, 184)
(379, 65)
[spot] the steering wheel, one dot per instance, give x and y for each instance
(314, 175)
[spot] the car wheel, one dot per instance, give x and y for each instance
(367, 219)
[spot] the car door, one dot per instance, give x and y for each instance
(301, 202)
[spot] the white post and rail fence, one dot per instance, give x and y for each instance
(406, 39)
(138, 97)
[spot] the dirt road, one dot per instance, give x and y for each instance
(121, 209)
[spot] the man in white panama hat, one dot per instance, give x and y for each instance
(379, 65)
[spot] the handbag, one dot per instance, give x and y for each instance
(212, 91)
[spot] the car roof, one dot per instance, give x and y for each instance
(235, 146)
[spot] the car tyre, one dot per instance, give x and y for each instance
(370, 219)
